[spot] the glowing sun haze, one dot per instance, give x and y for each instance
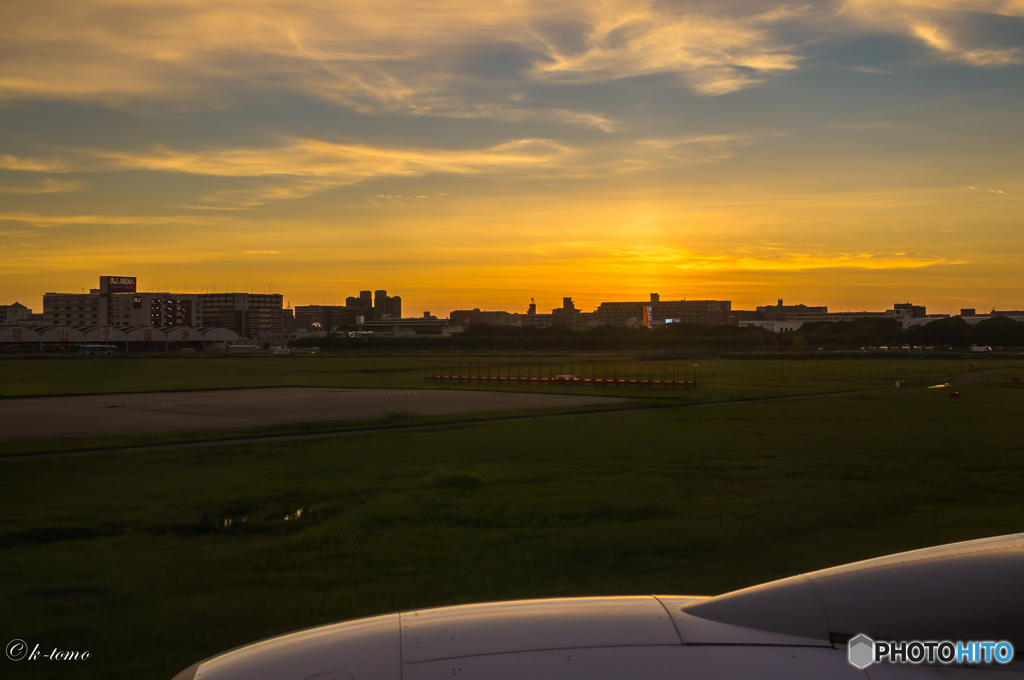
(479, 154)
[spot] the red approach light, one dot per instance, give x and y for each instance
(1015, 378)
(954, 395)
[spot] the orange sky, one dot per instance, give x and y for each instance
(464, 155)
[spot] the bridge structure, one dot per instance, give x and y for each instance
(602, 374)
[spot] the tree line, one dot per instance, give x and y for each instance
(951, 333)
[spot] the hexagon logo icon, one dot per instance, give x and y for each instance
(861, 651)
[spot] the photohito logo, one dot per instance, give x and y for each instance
(863, 651)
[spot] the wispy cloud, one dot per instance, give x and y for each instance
(304, 167)
(949, 28)
(47, 186)
(713, 54)
(388, 55)
(753, 258)
(339, 162)
(8, 162)
(140, 220)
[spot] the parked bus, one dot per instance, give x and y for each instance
(108, 350)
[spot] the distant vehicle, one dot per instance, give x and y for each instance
(884, 348)
(282, 351)
(980, 349)
(821, 349)
(817, 625)
(107, 350)
(566, 378)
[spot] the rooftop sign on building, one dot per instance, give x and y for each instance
(117, 284)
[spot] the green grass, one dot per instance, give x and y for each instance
(130, 556)
(718, 380)
(54, 375)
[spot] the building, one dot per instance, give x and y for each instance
(74, 309)
(380, 303)
(248, 314)
(534, 320)
(738, 316)
(568, 316)
(385, 307)
(708, 312)
(973, 317)
(38, 339)
(468, 317)
(117, 304)
(783, 312)
(908, 310)
(403, 328)
(329, 318)
(375, 305)
(16, 313)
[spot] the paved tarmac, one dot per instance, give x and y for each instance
(82, 416)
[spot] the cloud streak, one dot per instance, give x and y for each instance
(597, 255)
(47, 186)
(303, 167)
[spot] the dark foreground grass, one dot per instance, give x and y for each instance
(153, 561)
(394, 420)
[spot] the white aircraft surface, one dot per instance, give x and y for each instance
(793, 629)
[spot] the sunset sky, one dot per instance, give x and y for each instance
(484, 153)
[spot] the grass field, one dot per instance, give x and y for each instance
(719, 380)
(154, 560)
(737, 378)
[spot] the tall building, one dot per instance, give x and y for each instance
(365, 299)
(380, 303)
(385, 307)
